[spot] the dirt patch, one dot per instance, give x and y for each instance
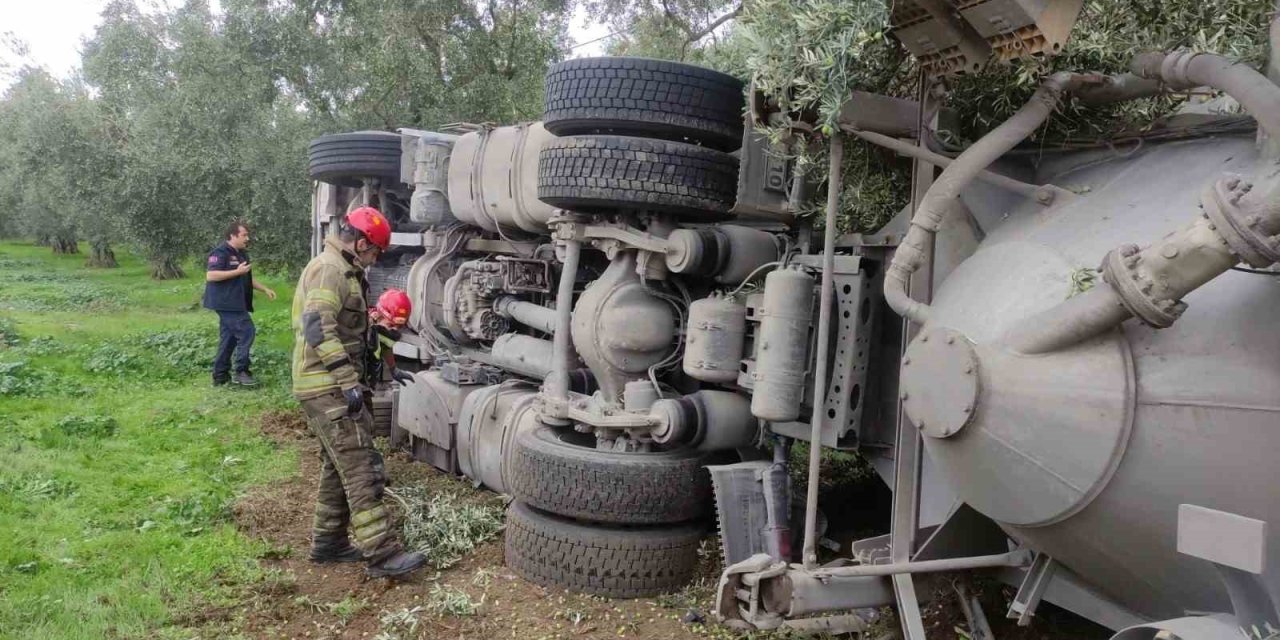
(478, 597)
(283, 427)
(304, 600)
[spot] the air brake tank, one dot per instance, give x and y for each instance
(782, 345)
(714, 339)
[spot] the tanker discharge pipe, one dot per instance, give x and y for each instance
(1239, 222)
(928, 218)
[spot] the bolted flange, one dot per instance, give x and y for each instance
(1237, 226)
(940, 388)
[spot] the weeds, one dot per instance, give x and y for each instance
(183, 351)
(344, 610)
(113, 360)
(447, 601)
(92, 426)
(19, 378)
(443, 527)
(36, 487)
(8, 333)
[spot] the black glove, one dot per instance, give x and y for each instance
(355, 400)
(403, 377)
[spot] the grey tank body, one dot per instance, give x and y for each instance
(1101, 461)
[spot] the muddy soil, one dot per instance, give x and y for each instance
(304, 600)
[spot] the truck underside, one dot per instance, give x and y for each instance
(1054, 357)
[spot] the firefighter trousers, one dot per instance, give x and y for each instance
(352, 478)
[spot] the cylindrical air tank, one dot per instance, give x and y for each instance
(714, 338)
(782, 345)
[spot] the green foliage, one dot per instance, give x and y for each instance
(87, 426)
(111, 359)
(20, 378)
(809, 55)
(8, 333)
(443, 526)
(1107, 36)
(115, 492)
(185, 117)
(182, 352)
(35, 487)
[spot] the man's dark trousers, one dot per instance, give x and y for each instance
(235, 337)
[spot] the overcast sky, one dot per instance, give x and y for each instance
(53, 29)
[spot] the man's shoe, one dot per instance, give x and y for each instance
(335, 553)
(397, 564)
(245, 380)
(218, 382)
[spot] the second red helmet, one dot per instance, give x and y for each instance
(395, 305)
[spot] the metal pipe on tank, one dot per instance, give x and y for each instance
(928, 217)
(1044, 194)
(1187, 70)
(1238, 221)
(824, 344)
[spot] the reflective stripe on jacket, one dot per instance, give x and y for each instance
(330, 324)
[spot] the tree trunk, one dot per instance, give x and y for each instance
(101, 255)
(65, 244)
(166, 269)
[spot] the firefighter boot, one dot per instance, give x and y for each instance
(334, 549)
(397, 564)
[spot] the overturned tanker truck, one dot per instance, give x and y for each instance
(620, 321)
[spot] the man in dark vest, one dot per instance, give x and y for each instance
(228, 290)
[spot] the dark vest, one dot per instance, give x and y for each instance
(234, 294)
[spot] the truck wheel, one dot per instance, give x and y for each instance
(344, 158)
(639, 96)
(613, 562)
(561, 472)
(607, 173)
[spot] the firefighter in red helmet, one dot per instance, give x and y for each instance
(331, 343)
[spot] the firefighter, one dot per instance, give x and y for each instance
(386, 320)
(331, 334)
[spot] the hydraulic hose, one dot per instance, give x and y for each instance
(928, 217)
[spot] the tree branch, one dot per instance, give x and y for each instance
(715, 24)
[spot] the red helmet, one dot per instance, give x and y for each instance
(395, 305)
(372, 224)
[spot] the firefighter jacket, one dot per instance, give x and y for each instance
(330, 324)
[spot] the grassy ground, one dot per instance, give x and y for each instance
(138, 502)
(118, 461)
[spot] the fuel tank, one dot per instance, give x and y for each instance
(1087, 453)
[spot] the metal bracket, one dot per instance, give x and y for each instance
(1024, 605)
(1237, 547)
(608, 237)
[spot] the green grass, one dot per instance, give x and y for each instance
(118, 461)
